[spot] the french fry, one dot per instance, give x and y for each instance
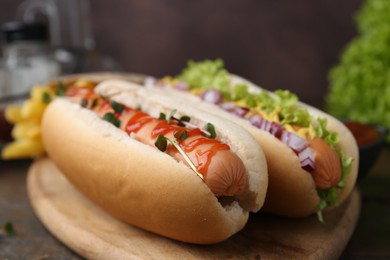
(23, 148)
(26, 130)
(13, 114)
(33, 109)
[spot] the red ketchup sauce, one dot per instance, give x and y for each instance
(204, 158)
(137, 122)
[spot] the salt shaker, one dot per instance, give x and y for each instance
(26, 58)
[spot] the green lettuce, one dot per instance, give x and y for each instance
(206, 74)
(239, 92)
(331, 138)
(359, 86)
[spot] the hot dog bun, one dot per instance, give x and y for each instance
(291, 191)
(143, 186)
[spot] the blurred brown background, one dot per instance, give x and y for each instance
(274, 43)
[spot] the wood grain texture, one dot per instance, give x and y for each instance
(92, 233)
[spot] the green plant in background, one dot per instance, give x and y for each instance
(360, 84)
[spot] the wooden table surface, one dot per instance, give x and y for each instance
(371, 238)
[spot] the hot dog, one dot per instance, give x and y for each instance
(210, 156)
(147, 160)
(312, 157)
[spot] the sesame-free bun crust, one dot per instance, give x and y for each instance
(291, 191)
(143, 186)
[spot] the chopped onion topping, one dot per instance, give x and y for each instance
(255, 120)
(265, 125)
(276, 129)
(272, 127)
(212, 96)
(228, 106)
(240, 111)
(294, 141)
(306, 157)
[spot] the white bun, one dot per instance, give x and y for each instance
(143, 186)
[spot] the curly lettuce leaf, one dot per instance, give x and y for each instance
(285, 98)
(286, 102)
(331, 138)
(239, 92)
(359, 86)
(266, 101)
(295, 115)
(206, 74)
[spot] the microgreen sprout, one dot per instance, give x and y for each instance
(211, 130)
(171, 116)
(118, 108)
(110, 117)
(161, 144)
(60, 89)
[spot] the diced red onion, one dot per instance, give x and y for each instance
(265, 125)
(212, 96)
(232, 108)
(308, 165)
(255, 120)
(240, 111)
(182, 86)
(272, 127)
(306, 157)
(228, 106)
(294, 141)
(276, 129)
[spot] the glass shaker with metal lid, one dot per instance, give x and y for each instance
(26, 58)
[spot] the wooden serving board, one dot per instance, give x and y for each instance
(92, 233)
